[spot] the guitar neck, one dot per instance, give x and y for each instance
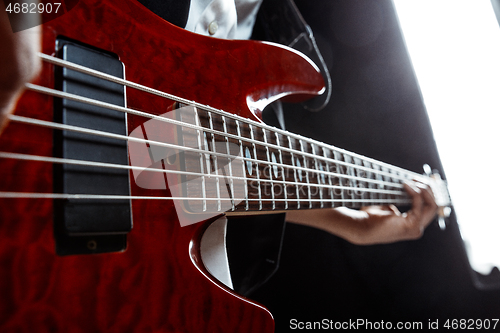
(240, 165)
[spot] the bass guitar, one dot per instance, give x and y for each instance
(136, 136)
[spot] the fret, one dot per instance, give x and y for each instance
(360, 181)
(353, 181)
(317, 188)
(305, 165)
(329, 178)
(266, 169)
(340, 193)
(394, 179)
(238, 130)
(362, 184)
(318, 176)
(201, 182)
(270, 169)
(314, 191)
(283, 176)
(200, 146)
(229, 165)
(236, 166)
(387, 179)
(257, 174)
(341, 181)
(252, 168)
(291, 175)
(225, 151)
(295, 173)
(372, 196)
(301, 163)
(350, 182)
(211, 183)
(214, 162)
(380, 185)
(224, 160)
(404, 177)
(189, 161)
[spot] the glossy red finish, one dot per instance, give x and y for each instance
(158, 284)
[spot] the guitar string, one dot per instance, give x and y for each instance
(58, 126)
(355, 189)
(404, 176)
(23, 195)
(296, 152)
(107, 77)
(56, 160)
(60, 94)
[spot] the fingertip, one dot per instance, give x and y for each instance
(411, 187)
(394, 209)
(427, 194)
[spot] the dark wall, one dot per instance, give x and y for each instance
(376, 110)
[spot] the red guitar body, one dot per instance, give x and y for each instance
(158, 284)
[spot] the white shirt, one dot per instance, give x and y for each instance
(230, 19)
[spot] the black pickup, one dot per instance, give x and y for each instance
(85, 226)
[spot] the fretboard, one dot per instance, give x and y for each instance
(234, 164)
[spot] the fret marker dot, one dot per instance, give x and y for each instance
(275, 167)
(322, 175)
(207, 156)
(299, 171)
(249, 163)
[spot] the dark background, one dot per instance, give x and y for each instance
(376, 110)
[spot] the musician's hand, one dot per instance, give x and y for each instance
(374, 224)
(18, 63)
